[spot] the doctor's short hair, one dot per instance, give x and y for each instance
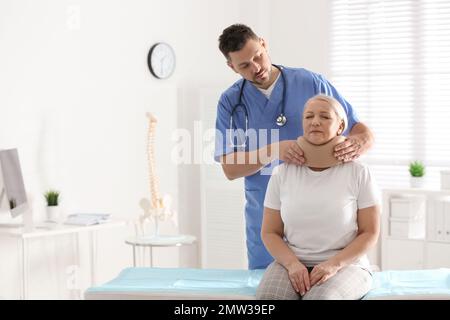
(234, 38)
(334, 104)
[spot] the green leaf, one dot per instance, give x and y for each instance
(51, 196)
(417, 169)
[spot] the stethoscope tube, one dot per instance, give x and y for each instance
(281, 119)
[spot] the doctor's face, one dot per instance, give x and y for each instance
(252, 62)
(320, 122)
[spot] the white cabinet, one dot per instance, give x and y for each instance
(415, 229)
(439, 222)
(404, 254)
(442, 216)
(437, 255)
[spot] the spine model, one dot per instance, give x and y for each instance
(157, 208)
(156, 200)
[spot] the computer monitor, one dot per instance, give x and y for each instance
(13, 197)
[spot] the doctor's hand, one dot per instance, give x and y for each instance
(322, 272)
(298, 274)
(351, 149)
(290, 152)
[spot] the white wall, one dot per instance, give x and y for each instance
(74, 91)
(300, 34)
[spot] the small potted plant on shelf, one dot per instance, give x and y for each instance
(53, 212)
(417, 171)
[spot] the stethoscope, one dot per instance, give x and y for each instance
(280, 120)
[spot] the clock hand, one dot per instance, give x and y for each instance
(162, 65)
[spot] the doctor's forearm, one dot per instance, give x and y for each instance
(242, 164)
(364, 135)
(234, 171)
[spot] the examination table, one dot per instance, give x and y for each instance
(203, 284)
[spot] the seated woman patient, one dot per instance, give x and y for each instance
(319, 222)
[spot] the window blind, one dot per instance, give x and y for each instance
(391, 60)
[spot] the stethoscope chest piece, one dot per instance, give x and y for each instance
(281, 120)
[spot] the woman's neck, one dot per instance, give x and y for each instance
(318, 169)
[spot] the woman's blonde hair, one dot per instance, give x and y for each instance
(336, 105)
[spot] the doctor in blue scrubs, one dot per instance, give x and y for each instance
(259, 120)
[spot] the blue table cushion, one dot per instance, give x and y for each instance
(213, 281)
(219, 282)
(431, 283)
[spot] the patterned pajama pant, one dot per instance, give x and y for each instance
(349, 283)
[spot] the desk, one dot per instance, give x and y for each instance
(158, 241)
(53, 229)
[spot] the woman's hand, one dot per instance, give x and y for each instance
(322, 272)
(298, 274)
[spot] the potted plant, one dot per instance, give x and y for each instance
(53, 212)
(417, 171)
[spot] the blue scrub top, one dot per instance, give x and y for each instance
(301, 85)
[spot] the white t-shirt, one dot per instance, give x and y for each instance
(319, 208)
(267, 92)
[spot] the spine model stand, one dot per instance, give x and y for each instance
(158, 208)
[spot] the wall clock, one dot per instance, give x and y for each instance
(161, 60)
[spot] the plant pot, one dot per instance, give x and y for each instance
(417, 182)
(53, 214)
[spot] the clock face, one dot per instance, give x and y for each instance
(161, 60)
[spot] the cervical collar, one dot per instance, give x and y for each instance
(320, 156)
